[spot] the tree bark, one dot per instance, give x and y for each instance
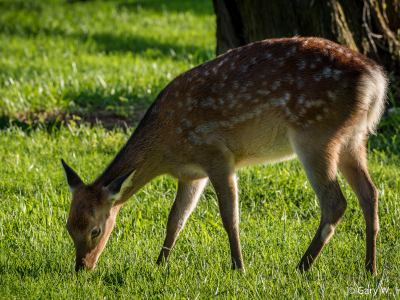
(367, 26)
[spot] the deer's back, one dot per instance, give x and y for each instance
(249, 98)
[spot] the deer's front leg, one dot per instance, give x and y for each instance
(185, 201)
(224, 182)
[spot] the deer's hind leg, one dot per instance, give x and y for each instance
(186, 199)
(353, 165)
(319, 157)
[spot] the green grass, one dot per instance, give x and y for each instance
(61, 56)
(279, 215)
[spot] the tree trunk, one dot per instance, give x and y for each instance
(369, 27)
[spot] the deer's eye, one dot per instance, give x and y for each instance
(96, 232)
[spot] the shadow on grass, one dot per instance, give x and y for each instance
(109, 43)
(21, 5)
(198, 7)
(112, 43)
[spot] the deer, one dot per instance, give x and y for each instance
(265, 102)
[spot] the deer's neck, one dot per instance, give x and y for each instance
(140, 153)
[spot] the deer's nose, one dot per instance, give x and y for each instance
(79, 265)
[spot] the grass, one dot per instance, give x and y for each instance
(61, 56)
(279, 215)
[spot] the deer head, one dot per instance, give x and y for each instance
(92, 215)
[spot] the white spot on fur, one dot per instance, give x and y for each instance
(179, 104)
(280, 61)
(235, 120)
(224, 77)
(327, 72)
(178, 130)
(317, 77)
(318, 102)
(331, 95)
(261, 92)
(287, 97)
(207, 102)
(276, 85)
(300, 82)
(206, 73)
(186, 123)
(194, 138)
(300, 99)
(336, 74)
(220, 101)
(235, 85)
(265, 106)
(319, 117)
(206, 127)
(301, 65)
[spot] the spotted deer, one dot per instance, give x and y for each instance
(261, 103)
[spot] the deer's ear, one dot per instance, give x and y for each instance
(116, 188)
(73, 179)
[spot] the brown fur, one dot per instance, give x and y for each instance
(260, 103)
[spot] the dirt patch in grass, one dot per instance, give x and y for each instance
(108, 119)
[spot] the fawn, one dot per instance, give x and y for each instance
(261, 103)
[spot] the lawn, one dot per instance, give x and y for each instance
(59, 57)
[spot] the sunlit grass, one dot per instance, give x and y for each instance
(58, 55)
(279, 216)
